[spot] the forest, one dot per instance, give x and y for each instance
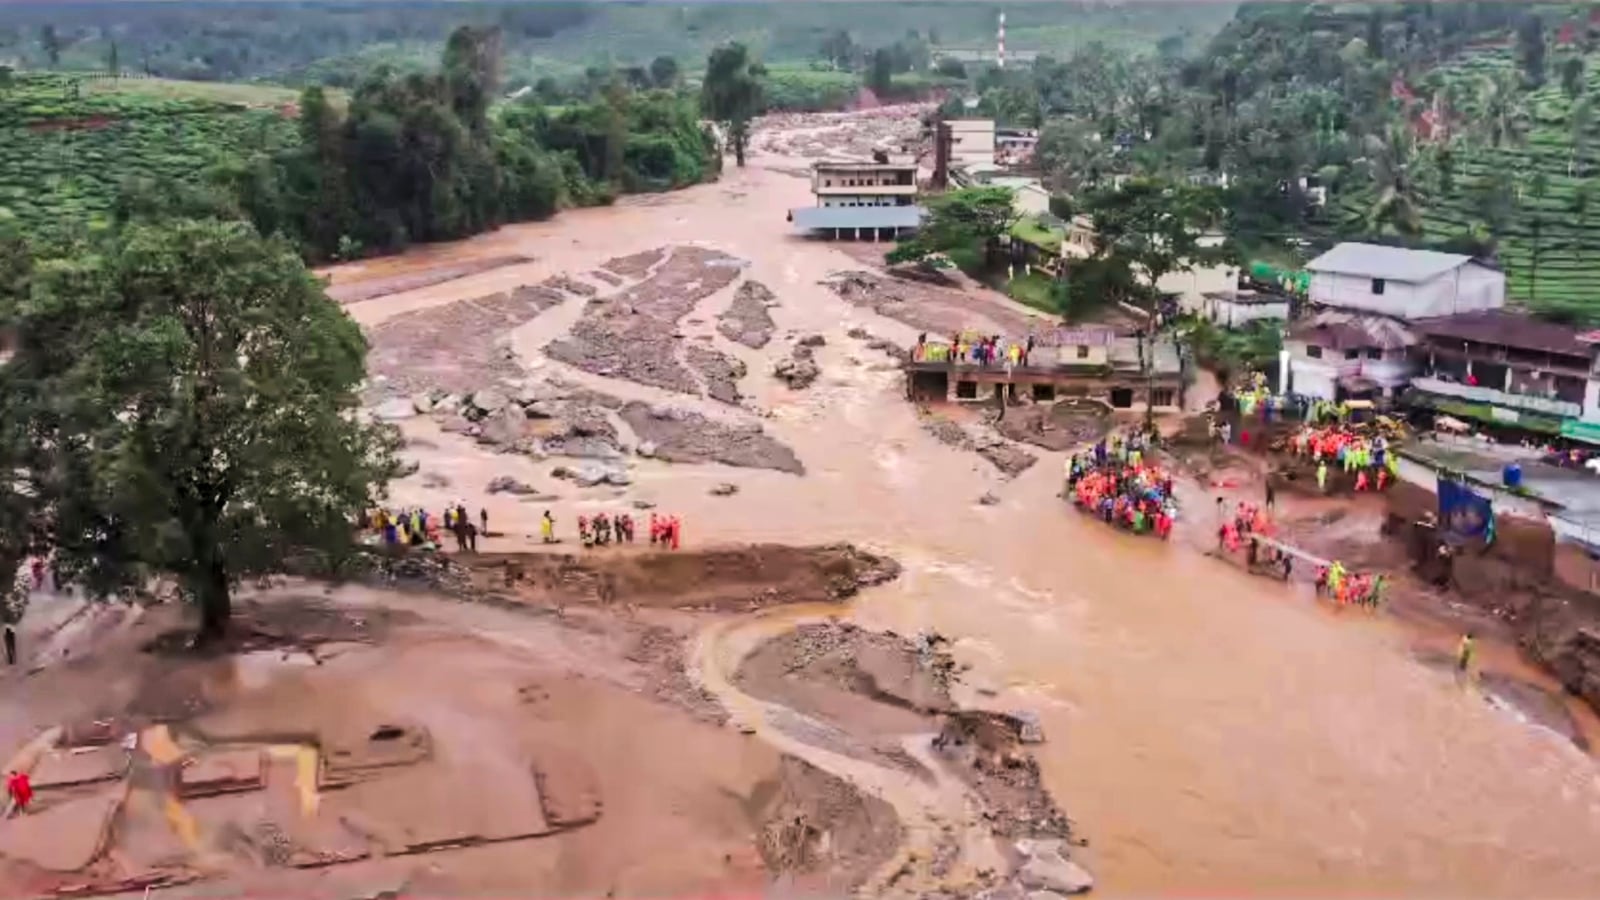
(1460, 126)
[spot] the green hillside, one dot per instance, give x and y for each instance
(66, 146)
(1535, 194)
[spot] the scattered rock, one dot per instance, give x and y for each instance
(395, 410)
(505, 484)
(746, 320)
(989, 499)
(435, 480)
(1049, 871)
(643, 504)
(455, 424)
(646, 448)
(541, 409)
(447, 404)
(858, 333)
(689, 437)
(720, 371)
(798, 373)
(406, 468)
(725, 489)
(422, 403)
(1010, 459)
(490, 400)
(813, 340)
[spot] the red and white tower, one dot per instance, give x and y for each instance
(1000, 43)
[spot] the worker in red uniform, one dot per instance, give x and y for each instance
(21, 791)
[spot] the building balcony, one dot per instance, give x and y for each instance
(865, 190)
(1549, 406)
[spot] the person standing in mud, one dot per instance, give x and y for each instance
(483, 516)
(547, 527)
(1465, 652)
(472, 536)
(11, 645)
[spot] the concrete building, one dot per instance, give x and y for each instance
(1015, 146)
(1238, 307)
(1356, 343)
(1403, 284)
(971, 141)
(861, 201)
(1506, 368)
(1091, 362)
(1335, 355)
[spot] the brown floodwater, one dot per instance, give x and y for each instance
(1207, 731)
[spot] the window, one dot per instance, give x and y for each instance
(1083, 351)
(1374, 353)
(1313, 351)
(1163, 397)
(1352, 354)
(1378, 284)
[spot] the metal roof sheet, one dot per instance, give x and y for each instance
(1389, 263)
(814, 217)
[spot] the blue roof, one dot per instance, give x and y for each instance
(817, 217)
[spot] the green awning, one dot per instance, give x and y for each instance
(1581, 431)
(1494, 415)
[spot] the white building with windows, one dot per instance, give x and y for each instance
(1355, 343)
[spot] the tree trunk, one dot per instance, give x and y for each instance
(211, 592)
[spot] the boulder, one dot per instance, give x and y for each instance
(799, 373)
(435, 480)
(501, 430)
(858, 333)
(813, 340)
(490, 400)
(1050, 872)
(725, 489)
(454, 424)
(989, 499)
(395, 410)
(406, 468)
(505, 484)
(1029, 731)
(536, 392)
(541, 409)
(589, 474)
(646, 448)
(422, 403)
(449, 403)
(643, 504)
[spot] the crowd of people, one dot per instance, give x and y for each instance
(1363, 457)
(1115, 482)
(968, 348)
(416, 527)
(1348, 588)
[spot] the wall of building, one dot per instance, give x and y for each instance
(1469, 288)
(1234, 315)
(862, 200)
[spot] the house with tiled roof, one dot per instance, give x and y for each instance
(1356, 341)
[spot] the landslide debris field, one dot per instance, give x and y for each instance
(477, 727)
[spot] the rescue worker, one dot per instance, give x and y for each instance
(547, 528)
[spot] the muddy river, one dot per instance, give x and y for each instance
(1206, 731)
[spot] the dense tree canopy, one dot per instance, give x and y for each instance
(183, 402)
(731, 92)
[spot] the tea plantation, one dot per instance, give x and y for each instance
(67, 145)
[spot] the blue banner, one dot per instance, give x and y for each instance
(1464, 515)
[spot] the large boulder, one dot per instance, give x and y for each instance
(502, 430)
(490, 400)
(422, 403)
(1051, 872)
(505, 484)
(395, 410)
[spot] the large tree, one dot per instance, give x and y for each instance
(963, 220)
(731, 93)
(1155, 227)
(183, 402)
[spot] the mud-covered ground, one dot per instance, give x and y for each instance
(466, 745)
